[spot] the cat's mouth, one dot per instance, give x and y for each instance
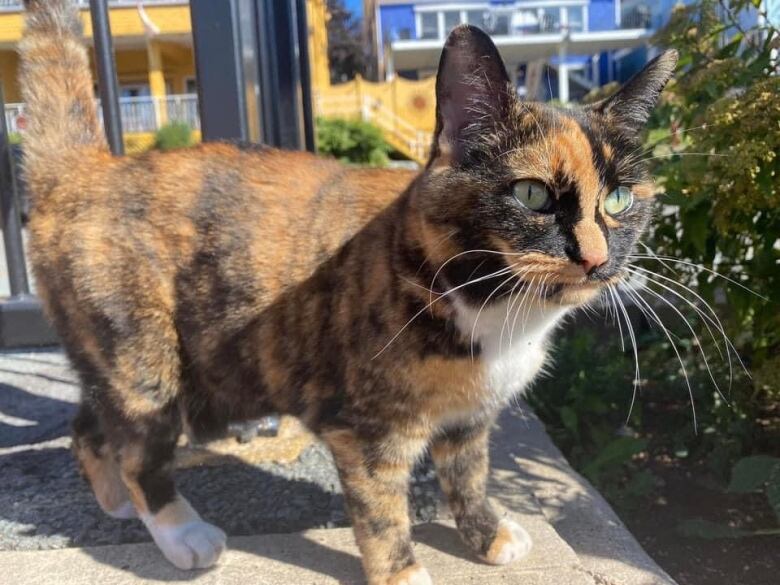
(572, 294)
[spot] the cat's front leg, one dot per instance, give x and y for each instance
(375, 479)
(461, 458)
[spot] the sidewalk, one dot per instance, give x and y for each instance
(578, 540)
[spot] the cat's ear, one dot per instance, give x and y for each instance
(472, 91)
(630, 107)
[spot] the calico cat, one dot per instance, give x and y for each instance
(390, 312)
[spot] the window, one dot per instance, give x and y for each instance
(576, 18)
(498, 23)
(476, 17)
(401, 34)
(451, 20)
(134, 90)
(429, 25)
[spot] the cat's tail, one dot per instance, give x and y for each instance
(56, 84)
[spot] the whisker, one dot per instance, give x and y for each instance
(510, 304)
(706, 318)
(655, 256)
(634, 294)
(487, 300)
(632, 336)
(700, 267)
(477, 251)
(617, 316)
(445, 294)
(695, 337)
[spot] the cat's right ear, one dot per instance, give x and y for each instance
(472, 92)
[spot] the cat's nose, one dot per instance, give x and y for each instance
(591, 261)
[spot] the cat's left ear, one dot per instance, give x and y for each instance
(472, 92)
(633, 103)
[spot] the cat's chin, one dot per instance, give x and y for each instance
(574, 295)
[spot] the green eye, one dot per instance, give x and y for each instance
(618, 201)
(532, 194)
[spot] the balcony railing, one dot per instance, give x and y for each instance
(16, 5)
(139, 114)
(543, 17)
(638, 16)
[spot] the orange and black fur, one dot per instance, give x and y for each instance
(219, 283)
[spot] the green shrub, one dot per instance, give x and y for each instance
(713, 144)
(173, 135)
(352, 141)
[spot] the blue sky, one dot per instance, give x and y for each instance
(356, 6)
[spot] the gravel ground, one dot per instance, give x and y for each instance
(44, 502)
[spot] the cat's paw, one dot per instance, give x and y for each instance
(512, 543)
(192, 545)
(124, 511)
(414, 575)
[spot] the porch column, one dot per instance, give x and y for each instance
(563, 75)
(157, 81)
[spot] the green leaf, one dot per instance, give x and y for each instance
(751, 473)
(617, 452)
(730, 49)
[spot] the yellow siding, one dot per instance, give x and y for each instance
(125, 22)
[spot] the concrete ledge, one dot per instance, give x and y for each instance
(317, 557)
(578, 539)
(607, 551)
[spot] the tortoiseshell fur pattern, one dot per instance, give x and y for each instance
(224, 282)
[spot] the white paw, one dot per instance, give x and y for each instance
(511, 544)
(125, 511)
(193, 545)
(414, 575)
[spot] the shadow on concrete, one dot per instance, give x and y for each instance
(43, 497)
(30, 418)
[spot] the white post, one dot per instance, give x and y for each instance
(563, 74)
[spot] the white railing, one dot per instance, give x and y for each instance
(16, 5)
(139, 114)
(529, 18)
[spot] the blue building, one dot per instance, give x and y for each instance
(557, 49)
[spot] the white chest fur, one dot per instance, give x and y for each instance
(512, 346)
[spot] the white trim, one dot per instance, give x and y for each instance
(499, 7)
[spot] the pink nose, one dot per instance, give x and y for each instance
(591, 261)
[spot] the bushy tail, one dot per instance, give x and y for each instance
(56, 86)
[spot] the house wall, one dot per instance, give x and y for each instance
(396, 20)
(601, 15)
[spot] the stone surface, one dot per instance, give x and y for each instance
(44, 504)
(317, 557)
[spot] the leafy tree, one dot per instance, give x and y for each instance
(345, 45)
(720, 176)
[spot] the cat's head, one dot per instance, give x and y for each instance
(556, 195)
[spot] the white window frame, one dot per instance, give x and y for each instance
(440, 9)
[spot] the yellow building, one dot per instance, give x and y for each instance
(154, 58)
(156, 71)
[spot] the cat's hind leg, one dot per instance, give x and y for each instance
(138, 389)
(99, 463)
(461, 459)
(145, 443)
